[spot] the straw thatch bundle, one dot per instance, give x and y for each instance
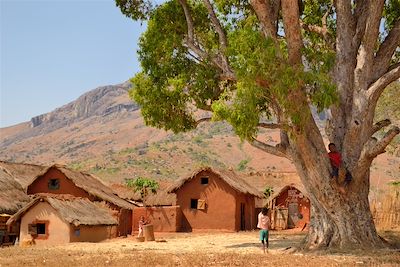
(12, 196)
(229, 176)
(76, 211)
(23, 173)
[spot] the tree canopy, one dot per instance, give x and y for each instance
(268, 64)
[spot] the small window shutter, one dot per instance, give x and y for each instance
(201, 204)
(32, 229)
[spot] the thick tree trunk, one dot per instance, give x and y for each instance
(341, 221)
(338, 219)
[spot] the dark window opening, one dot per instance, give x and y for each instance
(193, 203)
(54, 184)
(77, 232)
(204, 180)
(41, 228)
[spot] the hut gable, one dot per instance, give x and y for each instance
(75, 211)
(88, 183)
(12, 196)
(228, 176)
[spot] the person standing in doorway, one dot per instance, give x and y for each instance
(264, 225)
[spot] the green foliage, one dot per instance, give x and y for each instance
(395, 183)
(268, 191)
(391, 13)
(143, 185)
(242, 165)
(135, 9)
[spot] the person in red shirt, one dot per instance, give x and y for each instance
(335, 158)
(336, 162)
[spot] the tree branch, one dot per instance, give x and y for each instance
(365, 57)
(291, 24)
(223, 41)
(379, 146)
(371, 149)
(277, 150)
(202, 120)
(217, 25)
(386, 51)
(376, 89)
(191, 44)
(267, 15)
(361, 17)
(379, 125)
(270, 125)
(322, 31)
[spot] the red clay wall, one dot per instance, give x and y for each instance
(66, 185)
(164, 219)
(95, 233)
(221, 210)
(303, 206)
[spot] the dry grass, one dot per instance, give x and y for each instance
(197, 249)
(386, 210)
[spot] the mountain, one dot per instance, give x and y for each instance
(103, 132)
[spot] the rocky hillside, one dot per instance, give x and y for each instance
(102, 132)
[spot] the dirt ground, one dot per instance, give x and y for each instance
(195, 249)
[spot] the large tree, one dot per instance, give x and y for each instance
(267, 64)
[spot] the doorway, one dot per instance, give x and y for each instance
(293, 210)
(242, 217)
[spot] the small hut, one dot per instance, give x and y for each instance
(58, 179)
(12, 198)
(215, 199)
(290, 208)
(58, 219)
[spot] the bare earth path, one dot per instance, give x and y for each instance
(192, 249)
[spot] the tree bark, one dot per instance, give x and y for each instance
(338, 219)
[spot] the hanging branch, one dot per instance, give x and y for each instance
(277, 150)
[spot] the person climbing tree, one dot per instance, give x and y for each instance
(339, 171)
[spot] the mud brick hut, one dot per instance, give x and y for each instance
(12, 198)
(290, 208)
(215, 199)
(59, 219)
(58, 179)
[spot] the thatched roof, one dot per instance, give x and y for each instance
(23, 173)
(12, 196)
(73, 210)
(90, 184)
(229, 176)
(161, 198)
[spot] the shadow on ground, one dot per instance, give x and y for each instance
(276, 242)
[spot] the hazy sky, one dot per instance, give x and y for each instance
(53, 51)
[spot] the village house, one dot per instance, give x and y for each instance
(215, 199)
(58, 179)
(59, 219)
(12, 198)
(289, 208)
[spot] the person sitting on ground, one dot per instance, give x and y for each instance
(264, 225)
(142, 223)
(338, 170)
